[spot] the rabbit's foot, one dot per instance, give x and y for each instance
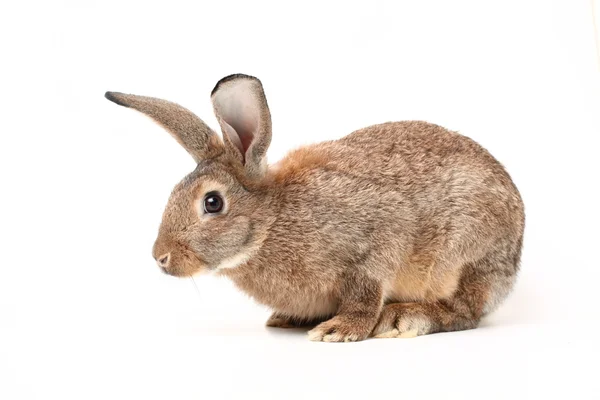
(281, 321)
(341, 329)
(358, 312)
(403, 321)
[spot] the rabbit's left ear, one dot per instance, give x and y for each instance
(242, 111)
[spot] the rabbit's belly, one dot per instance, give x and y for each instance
(309, 307)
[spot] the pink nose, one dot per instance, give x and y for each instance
(163, 261)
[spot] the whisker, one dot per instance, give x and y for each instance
(196, 286)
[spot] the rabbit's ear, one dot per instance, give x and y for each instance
(190, 131)
(241, 108)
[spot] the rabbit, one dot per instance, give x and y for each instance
(395, 230)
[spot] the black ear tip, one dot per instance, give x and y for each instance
(116, 98)
(231, 78)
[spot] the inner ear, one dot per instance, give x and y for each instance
(239, 113)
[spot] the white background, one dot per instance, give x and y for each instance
(84, 311)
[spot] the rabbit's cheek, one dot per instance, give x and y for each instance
(224, 242)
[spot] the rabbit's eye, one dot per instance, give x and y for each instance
(213, 203)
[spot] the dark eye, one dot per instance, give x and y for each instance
(213, 203)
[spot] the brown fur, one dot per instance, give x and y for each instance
(396, 229)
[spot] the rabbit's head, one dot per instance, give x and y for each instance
(218, 215)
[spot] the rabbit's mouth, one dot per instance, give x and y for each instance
(180, 262)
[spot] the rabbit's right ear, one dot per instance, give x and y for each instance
(190, 131)
(241, 108)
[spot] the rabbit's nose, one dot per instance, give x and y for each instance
(163, 261)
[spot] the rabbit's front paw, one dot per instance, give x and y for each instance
(340, 329)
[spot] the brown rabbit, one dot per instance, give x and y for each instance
(396, 230)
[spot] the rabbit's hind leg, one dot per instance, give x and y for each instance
(482, 287)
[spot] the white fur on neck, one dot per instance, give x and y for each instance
(235, 260)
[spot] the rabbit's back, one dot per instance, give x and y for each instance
(435, 172)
